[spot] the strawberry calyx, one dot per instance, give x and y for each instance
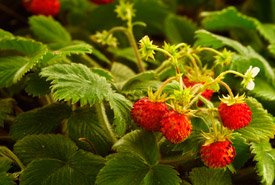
(229, 100)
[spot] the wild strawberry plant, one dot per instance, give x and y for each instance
(96, 95)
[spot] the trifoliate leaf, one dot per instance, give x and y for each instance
(227, 18)
(5, 109)
(101, 56)
(50, 31)
(207, 176)
(264, 155)
(125, 169)
(84, 124)
(76, 82)
(261, 126)
(56, 160)
(36, 85)
(121, 107)
(141, 143)
(179, 29)
(12, 68)
(41, 120)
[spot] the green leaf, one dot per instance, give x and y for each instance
(84, 124)
(263, 90)
(5, 109)
(74, 48)
(205, 38)
(179, 29)
(81, 168)
(267, 31)
(125, 169)
(37, 86)
(227, 18)
(121, 72)
(48, 30)
(5, 179)
(121, 107)
(42, 120)
(264, 155)
(242, 150)
(141, 77)
(101, 56)
(126, 53)
(161, 175)
(104, 73)
(44, 146)
(76, 82)
(207, 176)
(141, 143)
(13, 68)
(261, 126)
(5, 164)
(4, 33)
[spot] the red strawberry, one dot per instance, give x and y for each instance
(235, 116)
(148, 114)
(206, 94)
(176, 127)
(42, 7)
(218, 154)
(101, 1)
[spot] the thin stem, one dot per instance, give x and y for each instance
(180, 45)
(228, 89)
(198, 59)
(5, 152)
(100, 109)
(163, 85)
(212, 50)
(213, 123)
(162, 66)
(163, 51)
(194, 64)
(132, 41)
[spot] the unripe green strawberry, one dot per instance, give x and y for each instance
(207, 93)
(42, 7)
(176, 127)
(235, 116)
(101, 1)
(148, 114)
(218, 154)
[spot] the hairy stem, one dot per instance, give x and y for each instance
(163, 85)
(228, 89)
(132, 41)
(100, 109)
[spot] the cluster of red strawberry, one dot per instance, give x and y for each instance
(176, 127)
(155, 116)
(50, 7)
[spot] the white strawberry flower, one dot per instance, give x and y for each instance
(248, 80)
